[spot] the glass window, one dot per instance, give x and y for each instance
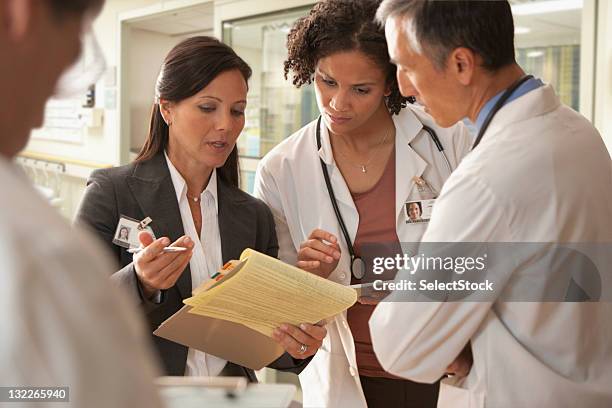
(548, 45)
(276, 109)
(547, 39)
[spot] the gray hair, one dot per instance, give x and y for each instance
(390, 9)
(435, 28)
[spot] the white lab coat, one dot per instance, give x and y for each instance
(541, 174)
(63, 323)
(291, 182)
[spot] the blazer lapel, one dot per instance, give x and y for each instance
(237, 221)
(152, 188)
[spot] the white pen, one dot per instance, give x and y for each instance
(166, 249)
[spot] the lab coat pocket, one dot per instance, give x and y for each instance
(452, 394)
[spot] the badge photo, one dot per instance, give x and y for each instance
(123, 234)
(418, 211)
(126, 233)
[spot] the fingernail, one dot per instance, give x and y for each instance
(337, 255)
(303, 326)
(165, 241)
(284, 327)
(187, 240)
(329, 259)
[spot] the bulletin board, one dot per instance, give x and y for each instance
(63, 122)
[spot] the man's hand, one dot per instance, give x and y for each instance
(462, 364)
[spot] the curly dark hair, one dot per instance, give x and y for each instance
(335, 26)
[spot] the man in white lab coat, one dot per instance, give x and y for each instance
(63, 325)
(539, 173)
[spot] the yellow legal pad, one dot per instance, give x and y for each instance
(261, 293)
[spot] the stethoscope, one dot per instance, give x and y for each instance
(498, 105)
(357, 264)
(436, 140)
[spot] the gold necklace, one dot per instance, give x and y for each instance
(364, 167)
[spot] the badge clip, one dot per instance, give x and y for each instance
(143, 224)
(424, 188)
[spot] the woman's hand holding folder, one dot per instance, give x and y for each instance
(300, 342)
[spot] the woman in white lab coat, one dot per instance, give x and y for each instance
(379, 156)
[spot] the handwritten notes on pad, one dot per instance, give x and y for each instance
(262, 293)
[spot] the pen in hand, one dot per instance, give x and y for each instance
(166, 249)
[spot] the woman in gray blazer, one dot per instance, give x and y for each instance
(185, 179)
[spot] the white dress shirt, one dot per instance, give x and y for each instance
(206, 259)
(63, 322)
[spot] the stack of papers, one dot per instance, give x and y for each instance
(234, 316)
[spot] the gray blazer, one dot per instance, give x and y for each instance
(140, 190)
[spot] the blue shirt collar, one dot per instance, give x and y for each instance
(527, 86)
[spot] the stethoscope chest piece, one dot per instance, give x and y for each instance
(358, 267)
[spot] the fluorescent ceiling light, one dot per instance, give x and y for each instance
(522, 30)
(547, 6)
(535, 54)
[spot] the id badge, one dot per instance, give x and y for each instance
(126, 233)
(419, 211)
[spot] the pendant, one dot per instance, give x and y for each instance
(196, 199)
(363, 169)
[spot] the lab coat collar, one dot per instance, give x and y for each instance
(526, 87)
(407, 127)
(325, 152)
(408, 163)
(341, 190)
(535, 103)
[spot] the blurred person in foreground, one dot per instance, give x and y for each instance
(63, 325)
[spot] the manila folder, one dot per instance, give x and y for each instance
(228, 340)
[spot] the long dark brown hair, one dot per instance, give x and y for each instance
(188, 68)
